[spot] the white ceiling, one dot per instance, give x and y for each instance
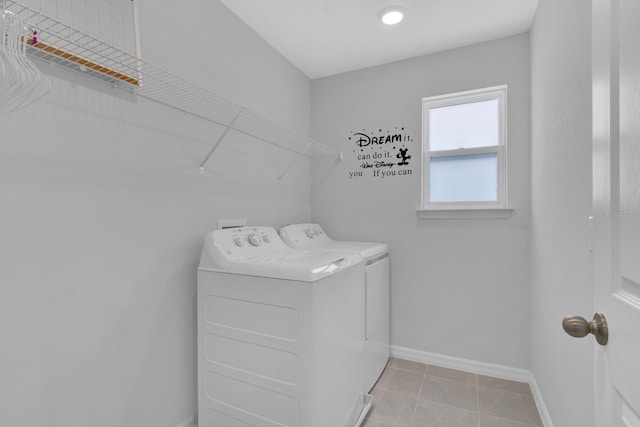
(326, 37)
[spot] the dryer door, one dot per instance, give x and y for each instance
(377, 325)
(377, 298)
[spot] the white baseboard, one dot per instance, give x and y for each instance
(475, 367)
(542, 408)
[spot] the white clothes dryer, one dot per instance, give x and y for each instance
(279, 333)
(377, 290)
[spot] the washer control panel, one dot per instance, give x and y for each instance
(228, 245)
(245, 238)
(304, 235)
(313, 232)
(252, 239)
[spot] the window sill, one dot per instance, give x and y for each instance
(465, 213)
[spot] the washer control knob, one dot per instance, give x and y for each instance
(253, 239)
(309, 233)
(238, 241)
(266, 238)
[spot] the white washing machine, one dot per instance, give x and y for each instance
(377, 290)
(279, 333)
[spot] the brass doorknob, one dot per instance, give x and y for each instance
(579, 327)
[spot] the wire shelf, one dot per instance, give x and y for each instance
(58, 43)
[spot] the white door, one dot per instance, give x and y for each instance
(616, 245)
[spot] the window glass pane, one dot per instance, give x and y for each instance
(474, 124)
(464, 178)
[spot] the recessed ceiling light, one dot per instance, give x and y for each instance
(391, 15)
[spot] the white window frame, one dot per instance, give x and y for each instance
(498, 208)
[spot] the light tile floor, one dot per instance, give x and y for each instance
(410, 394)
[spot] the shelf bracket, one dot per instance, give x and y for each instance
(215, 146)
(300, 154)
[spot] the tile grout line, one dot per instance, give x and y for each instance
(415, 408)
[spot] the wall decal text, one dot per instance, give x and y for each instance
(381, 153)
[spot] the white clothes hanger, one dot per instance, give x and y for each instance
(21, 82)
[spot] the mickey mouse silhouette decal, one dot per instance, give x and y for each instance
(403, 155)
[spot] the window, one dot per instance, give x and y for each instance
(464, 141)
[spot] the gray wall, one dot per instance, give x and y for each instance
(103, 211)
(561, 203)
(459, 287)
